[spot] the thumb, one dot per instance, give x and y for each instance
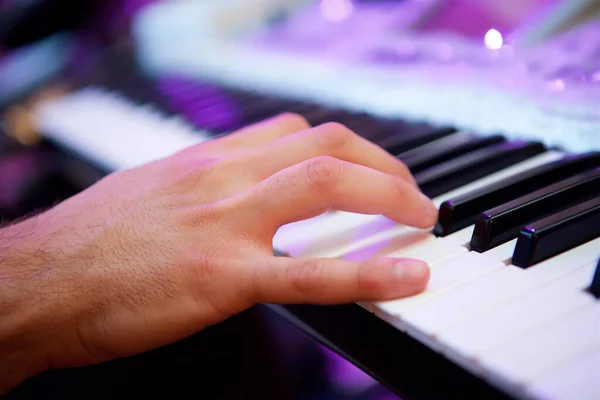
(334, 281)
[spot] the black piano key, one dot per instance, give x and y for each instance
(213, 107)
(557, 233)
(503, 223)
(365, 125)
(465, 169)
(141, 90)
(361, 123)
(206, 105)
(271, 107)
(318, 115)
(455, 139)
(244, 97)
(595, 286)
(456, 214)
(399, 137)
(445, 149)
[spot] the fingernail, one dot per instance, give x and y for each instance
(429, 206)
(410, 270)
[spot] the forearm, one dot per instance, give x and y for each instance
(21, 354)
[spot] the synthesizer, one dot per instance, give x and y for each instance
(514, 294)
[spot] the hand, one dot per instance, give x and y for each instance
(152, 254)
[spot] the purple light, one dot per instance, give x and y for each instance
(205, 105)
(336, 10)
(556, 85)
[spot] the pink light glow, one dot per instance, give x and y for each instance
(336, 10)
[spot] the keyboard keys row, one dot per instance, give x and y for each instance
(445, 149)
(501, 323)
(467, 168)
(220, 110)
(473, 299)
(558, 233)
(458, 212)
(496, 226)
(334, 235)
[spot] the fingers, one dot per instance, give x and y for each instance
(315, 186)
(334, 281)
(255, 135)
(331, 139)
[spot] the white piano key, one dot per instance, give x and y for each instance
(433, 252)
(441, 250)
(443, 277)
(109, 129)
(405, 239)
(324, 235)
(502, 323)
(333, 235)
(545, 348)
(401, 241)
(464, 301)
(578, 380)
(462, 237)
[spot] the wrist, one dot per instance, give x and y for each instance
(22, 354)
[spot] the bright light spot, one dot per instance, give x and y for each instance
(557, 85)
(336, 10)
(493, 39)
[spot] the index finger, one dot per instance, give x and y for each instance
(313, 187)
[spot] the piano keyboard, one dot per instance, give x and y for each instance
(515, 278)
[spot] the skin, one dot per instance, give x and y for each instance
(150, 255)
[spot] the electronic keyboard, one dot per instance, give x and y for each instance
(512, 309)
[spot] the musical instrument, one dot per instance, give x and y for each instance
(512, 308)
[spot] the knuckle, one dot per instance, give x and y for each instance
(400, 186)
(307, 277)
(193, 216)
(367, 280)
(403, 168)
(294, 120)
(190, 172)
(334, 135)
(323, 171)
(202, 267)
(206, 270)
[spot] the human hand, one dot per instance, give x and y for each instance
(153, 254)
